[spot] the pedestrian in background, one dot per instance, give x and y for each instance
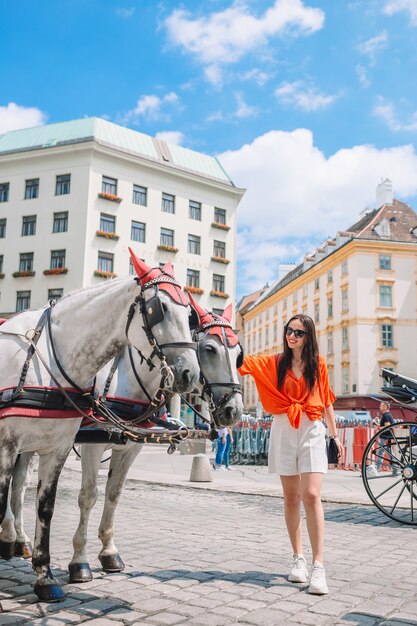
(221, 447)
(385, 438)
(228, 447)
(294, 387)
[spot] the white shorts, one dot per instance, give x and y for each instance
(296, 451)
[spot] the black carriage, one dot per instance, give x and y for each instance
(389, 464)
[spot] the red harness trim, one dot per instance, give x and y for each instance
(41, 413)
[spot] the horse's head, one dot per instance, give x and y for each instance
(219, 354)
(165, 314)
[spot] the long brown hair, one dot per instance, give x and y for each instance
(309, 356)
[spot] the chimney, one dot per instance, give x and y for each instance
(384, 193)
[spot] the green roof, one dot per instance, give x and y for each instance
(114, 136)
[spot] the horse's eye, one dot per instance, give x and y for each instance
(210, 348)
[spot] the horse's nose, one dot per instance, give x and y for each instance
(230, 413)
(187, 379)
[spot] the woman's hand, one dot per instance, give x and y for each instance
(340, 449)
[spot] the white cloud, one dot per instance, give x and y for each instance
(13, 117)
(387, 113)
(371, 47)
(125, 13)
(395, 6)
(243, 109)
(171, 136)
(303, 96)
(362, 73)
(296, 196)
(227, 36)
(150, 106)
(258, 76)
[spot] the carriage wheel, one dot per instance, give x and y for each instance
(394, 495)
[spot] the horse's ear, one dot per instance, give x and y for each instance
(141, 267)
(197, 308)
(228, 312)
(168, 269)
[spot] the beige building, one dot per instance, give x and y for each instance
(74, 196)
(361, 290)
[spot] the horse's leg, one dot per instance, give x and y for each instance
(8, 455)
(79, 568)
(51, 463)
(120, 464)
(22, 475)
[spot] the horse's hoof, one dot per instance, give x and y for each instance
(6, 549)
(79, 573)
(23, 548)
(49, 593)
(111, 563)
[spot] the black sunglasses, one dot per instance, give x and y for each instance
(297, 333)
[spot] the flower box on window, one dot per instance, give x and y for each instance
(219, 294)
(1, 275)
(102, 274)
(107, 235)
(110, 196)
(55, 271)
(166, 248)
(23, 274)
(221, 226)
(220, 259)
(196, 290)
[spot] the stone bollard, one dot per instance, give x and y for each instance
(201, 471)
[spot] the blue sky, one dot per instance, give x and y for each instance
(308, 104)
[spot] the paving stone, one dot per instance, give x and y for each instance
(166, 618)
(265, 617)
(154, 605)
(127, 615)
(330, 607)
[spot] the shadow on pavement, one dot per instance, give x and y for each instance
(368, 619)
(252, 577)
(368, 515)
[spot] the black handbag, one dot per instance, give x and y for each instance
(332, 451)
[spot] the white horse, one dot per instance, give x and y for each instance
(72, 342)
(218, 354)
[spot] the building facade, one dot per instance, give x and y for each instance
(74, 196)
(360, 289)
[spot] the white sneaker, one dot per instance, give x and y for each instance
(220, 468)
(299, 571)
(230, 468)
(318, 584)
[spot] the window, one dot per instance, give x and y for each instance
(60, 222)
(57, 259)
(140, 195)
(275, 333)
(22, 301)
(194, 210)
(316, 284)
(32, 188)
(284, 305)
(330, 276)
(345, 380)
(384, 262)
(344, 267)
(387, 336)
(194, 244)
(107, 223)
(26, 262)
(167, 237)
(331, 377)
(295, 297)
(219, 249)
(345, 338)
(305, 289)
(1, 263)
(4, 192)
(316, 312)
(132, 270)
(63, 184)
(193, 278)
(2, 228)
(217, 311)
(345, 305)
(28, 225)
(168, 203)
(385, 295)
(138, 232)
(329, 307)
(220, 216)
(218, 282)
(55, 294)
(109, 185)
(105, 262)
(330, 342)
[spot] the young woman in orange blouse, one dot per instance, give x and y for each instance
(294, 387)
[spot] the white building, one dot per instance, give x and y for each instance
(75, 195)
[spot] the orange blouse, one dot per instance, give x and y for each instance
(295, 397)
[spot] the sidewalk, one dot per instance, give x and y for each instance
(154, 465)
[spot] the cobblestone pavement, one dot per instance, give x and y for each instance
(209, 558)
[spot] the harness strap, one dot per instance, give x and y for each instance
(31, 351)
(111, 374)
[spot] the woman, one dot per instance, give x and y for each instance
(294, 387)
